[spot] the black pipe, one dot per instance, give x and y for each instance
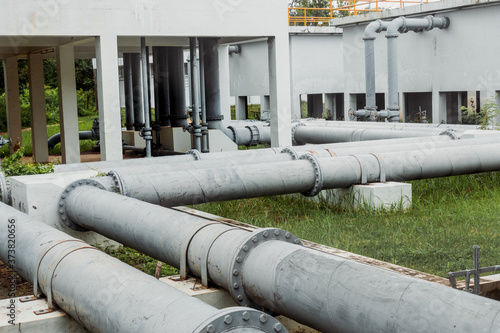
(137, 91)
(129, 91)
(162, 93)
(178, 115)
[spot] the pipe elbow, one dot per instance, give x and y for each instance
(374, 28)
(441, 22)
(396, 27)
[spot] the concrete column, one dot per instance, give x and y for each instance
(402, 110)
(68, 110)
(349, 103)
(38, 109)
(109, 96)
(13, 104)
(438, 107)
(279, 90)
(330, 106)
(265, 107)
(225, 103)
(241, 107)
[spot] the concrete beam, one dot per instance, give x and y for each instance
(108, 92)
(13, 103)
(279, 90)
(68, 109)
(38, 109)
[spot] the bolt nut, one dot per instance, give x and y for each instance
(228, 319)
(254, 239)
(287, 235)
(297, 241)
(245, 248)
(240, 298)
(210, 328)
(236, 286)
(278, 327)
(235, 272)
(246, 316)
(239, 260)
(265, 234)
(276, 232)
(263, 318)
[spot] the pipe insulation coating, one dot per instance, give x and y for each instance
(320, 290)
(105, 295)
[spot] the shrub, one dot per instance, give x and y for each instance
(14, 166)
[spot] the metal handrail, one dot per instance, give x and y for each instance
(303, 16)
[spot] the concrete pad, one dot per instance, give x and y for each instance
(26, 321)
(132, 138)
(218, 141)
(175, 139)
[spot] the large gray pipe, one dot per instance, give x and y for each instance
(395, 28)
(195, 94)
(105, 295)
(177, 90)
(370, 32)
(267, 268)
(135, 59)
(129, 91)
(308, 175)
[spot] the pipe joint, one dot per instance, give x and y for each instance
(62, 201)
(450, 133)
(236, 276)
(373, 28)
(146, 133)
(118, 183)
(318, 175)
(290, 151)
(195, 153)
(255, 135)
(294, 128)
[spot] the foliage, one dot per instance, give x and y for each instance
(140, 261)
(15, 166)
(253, 112)
(318, 4)
(484, 118)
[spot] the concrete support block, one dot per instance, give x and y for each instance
(38, 196)
(175, 139)
(68, 109)
(13, 104)
(279, 91)
(38, 109)
(218, 141)
(108, 92)
(27, 321)
(373, 196)
(132, 138)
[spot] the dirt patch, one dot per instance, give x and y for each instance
(7, 285)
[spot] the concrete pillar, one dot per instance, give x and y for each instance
(349, 103)
(225, 104)
(264, 107)
(68, 110)
(279, 90)
(330, 106)
(38, 109)
(13, 104)
(402, 109)
(109, 96)
(438, 107)
(241, 108)
(129, 91)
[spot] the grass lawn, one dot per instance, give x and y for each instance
(448, 217)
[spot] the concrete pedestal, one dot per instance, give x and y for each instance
(132, 138)
(175, 139)
(218, 141)
(374, 196)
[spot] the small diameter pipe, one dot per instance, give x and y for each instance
(195, 102)
(263, 269)
(102, 293)
(145, 89)
(204, 125)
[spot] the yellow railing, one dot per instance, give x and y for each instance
(311, 16)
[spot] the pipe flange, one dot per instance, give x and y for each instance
(451, 133)
(290, 151)
(352, 114)
(236, 318)
(294, 128)
(254, 130)
(118, 180)
(215, 118)
(195, 153)
(255, 239)
(62, 201)
(5, 189)
(318, 174)
(233, 131)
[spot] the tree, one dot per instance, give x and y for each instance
(317, 4)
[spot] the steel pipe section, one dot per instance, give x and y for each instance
(105, 295)
(268, 268)
(195, 94)
(135, 63)
(250, 135)
(146, 131)
(129, 91)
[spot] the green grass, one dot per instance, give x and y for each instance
(84, 124)
(448, 217)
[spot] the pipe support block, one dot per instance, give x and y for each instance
(236, 275)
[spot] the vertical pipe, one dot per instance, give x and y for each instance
(162, 109)
(147, 126)
(370, 73)
(129, 91)
(204, 129)
(212, 83)
(177, 92)
(137, 91)
(149, 85)
(195, 103)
